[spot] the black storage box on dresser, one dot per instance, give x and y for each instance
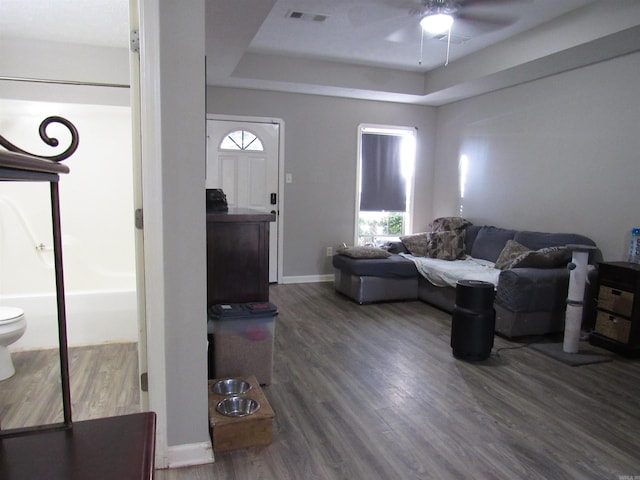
(617, 325)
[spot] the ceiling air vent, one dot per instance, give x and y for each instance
(309, 17)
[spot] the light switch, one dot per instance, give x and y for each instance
(288, 178)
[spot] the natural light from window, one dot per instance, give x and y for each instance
(386, 166)
(463, 166)
(241, 140)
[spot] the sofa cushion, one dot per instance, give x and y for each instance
(538, 240)
(511, 251)
(363, 252)
(550, 257)
(470, 234)
(490, 241)
(392, 267)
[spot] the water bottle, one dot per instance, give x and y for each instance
(634, 248)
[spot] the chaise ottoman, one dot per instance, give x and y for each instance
(368, 280)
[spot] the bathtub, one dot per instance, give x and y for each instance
(93, 317)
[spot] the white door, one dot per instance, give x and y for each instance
(242, 160)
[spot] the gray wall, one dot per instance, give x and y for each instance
(558, 154)
(321, 154)
(173, 102)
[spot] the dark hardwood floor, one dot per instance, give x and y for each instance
(373, 392)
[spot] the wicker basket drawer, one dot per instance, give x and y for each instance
(613, 327)
(617, 301)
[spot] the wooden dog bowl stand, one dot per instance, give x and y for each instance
(231, 433)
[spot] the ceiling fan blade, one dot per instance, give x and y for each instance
(379, 11)
(360, 15)
(481, 3)
(489, 20)
(406, 34)
(473, 25)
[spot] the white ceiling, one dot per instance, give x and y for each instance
(354, 53)
(364, 48)
(386, 33)
(103, 23)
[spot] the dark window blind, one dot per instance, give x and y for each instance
(383, 186)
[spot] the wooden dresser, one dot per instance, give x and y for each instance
(617, 325)
(238, 256)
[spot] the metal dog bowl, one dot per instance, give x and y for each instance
(231, 386)
(237, 406)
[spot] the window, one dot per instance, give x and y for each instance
(385, 172)
(241, 140)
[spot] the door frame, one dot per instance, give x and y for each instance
(280, 204)
(136, 142)
(395, 130)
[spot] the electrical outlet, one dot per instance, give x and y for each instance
(329, 251)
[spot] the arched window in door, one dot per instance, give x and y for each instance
(242, 140)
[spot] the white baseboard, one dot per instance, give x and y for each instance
(308, 279)
(189, 454)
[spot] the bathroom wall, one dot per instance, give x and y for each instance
(97, 226)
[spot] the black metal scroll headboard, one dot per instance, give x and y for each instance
(53, 142)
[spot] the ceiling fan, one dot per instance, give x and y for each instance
(438, 16)
(455, 21)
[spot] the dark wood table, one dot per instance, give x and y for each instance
(114, 448)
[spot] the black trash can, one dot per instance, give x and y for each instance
(473, 320)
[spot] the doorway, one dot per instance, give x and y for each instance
(98, 244)
(243, 159)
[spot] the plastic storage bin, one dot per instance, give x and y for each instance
(242, 340)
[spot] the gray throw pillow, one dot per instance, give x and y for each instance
(490, 241)
(511, 251)
(550, 257)
(416, 244)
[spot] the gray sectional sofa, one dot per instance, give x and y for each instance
(528, 301)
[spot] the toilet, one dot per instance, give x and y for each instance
(12, 327)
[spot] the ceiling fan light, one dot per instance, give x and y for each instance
(436, 23)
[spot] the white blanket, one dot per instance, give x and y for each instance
(443, 273)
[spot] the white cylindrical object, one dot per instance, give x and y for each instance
(575, 297)
(572, 324)
(578, 276)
